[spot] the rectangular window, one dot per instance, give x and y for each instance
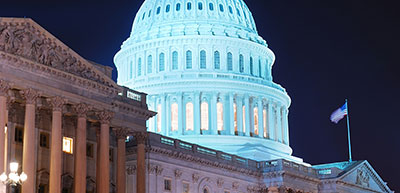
(68, 145)
(167, 185)
(19, 134)
(89, 150)
(185, 188)
(44, 140)
(111, 154)
(265, 123)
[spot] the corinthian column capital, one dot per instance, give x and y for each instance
(141, 137)
(121, 133)
(57, 103)
(29, 95)
(4, 87)
(82, 109)
(105, 116)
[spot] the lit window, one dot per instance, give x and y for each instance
(204, 116)
(185, 187)
(44, 140)
(159, 116)
(149, 64)
(251, 65)
(256, 125)
(221, 7)
(158, 10)
(200, 5)
(189, 6)
(167, 185)
(139, 67)
(189, 59)
(203, 60)
(174, 60)
(189, 117)
(265, 123)
(162, 62)
(235, 117)
(211, 6)
(241, 63)
(244, 119)
(167, 8)
(220, 116)
(230, 61)
(68, 145)
(174, 117)
(178, 6)
(217, 60)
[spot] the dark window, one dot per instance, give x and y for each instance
(111, 154)
(259, 68)
(149, 13)
(238, 12)
(89, 150)
(167, 8)
(44, 140)
(241, 63)
(19, 134)
(161, 62)
(189, 6)
(178, 7)
(221, 7)
(189, 59)
(42, 188)
(230, 62)
(174, 60)
(217, 60)
(158, 10)
(167, 185)
(144, 15)
(251, 66)
(230, 10)
(203, 60)
(200, 5)
(211, 6)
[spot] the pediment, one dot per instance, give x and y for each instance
(25, 38)
(363, 175)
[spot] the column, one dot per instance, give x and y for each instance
(141, 138)
(56, 147)
(247, 115)
(260, 118)
(121, 134)
(4, 87)
(231, 115)
(252, 105)
(271, 120)
(197, 117)
(80, 148)
(180, 113)
(104, 162)
(279, 123)
(29, 145)
(239, 112)
(285, 126)
(213, 105)
(167, 129)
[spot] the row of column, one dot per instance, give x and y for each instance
(272, 117)
(29, 144)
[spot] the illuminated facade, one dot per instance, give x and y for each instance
(208, 75)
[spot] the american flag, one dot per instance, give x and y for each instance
(339, 114)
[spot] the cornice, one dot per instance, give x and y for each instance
(133, 110)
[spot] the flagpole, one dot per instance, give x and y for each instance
(348, 131)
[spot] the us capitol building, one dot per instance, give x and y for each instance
(195, 110)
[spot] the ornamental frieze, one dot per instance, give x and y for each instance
(24, 39)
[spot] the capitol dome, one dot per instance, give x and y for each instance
(207, 73)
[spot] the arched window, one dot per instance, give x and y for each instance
(241, 63)
(230, 10)
(220, 116)
(206, 190)
(251, 66)
(188, 59)
(221, 7)
(189, 117)
(178, 6)
(203, 60)
(230, 61)
(265, 123)
(204, 116)
(139, 68)
(158, 10)
(161, 62)
(235, 125)
(256, 122)
(200, 5)
(167, 8)
(159, 117)
(174, 60)
(189, 6)
(259, 68)
(217, 60)
(149, 64)
(174, 117)
(211, 6)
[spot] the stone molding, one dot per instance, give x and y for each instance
(30, 96)
(141, 137)
(4, 87)
(82, 109)
(131, 169)
(178, 173)
(25, 38)
(195, 177)
(105, 116)
(136, 111)
(57, 103)
(121, 133)
(220, 182)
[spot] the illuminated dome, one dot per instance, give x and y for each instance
(207, 73)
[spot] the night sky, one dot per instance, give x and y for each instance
(326, 51)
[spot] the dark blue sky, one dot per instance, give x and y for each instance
(326, 51)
